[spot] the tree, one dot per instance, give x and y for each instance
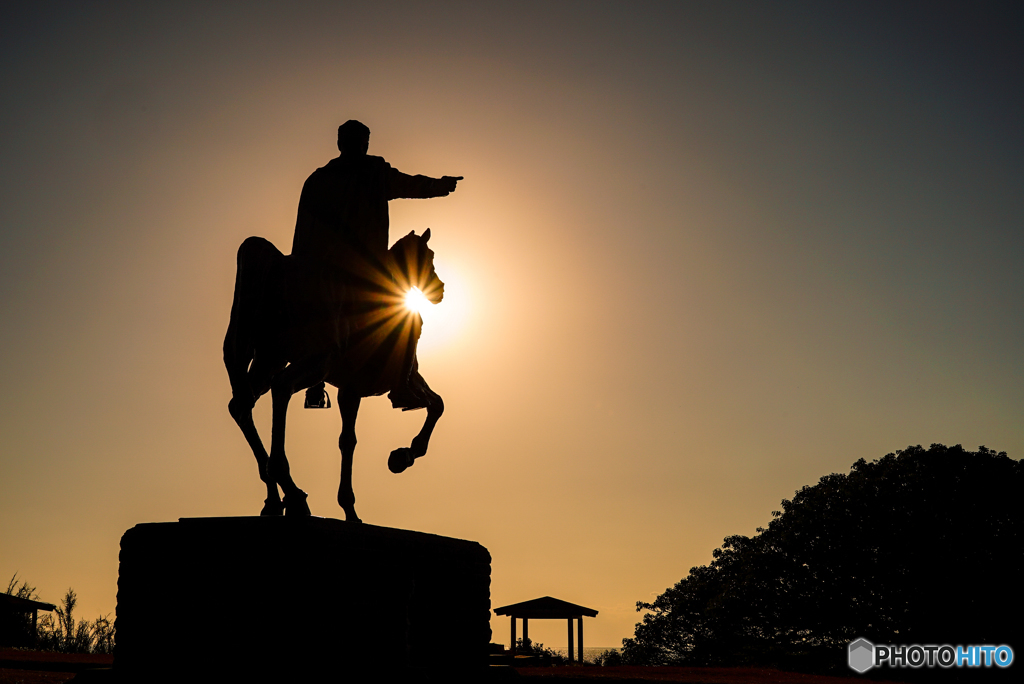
(921, 546)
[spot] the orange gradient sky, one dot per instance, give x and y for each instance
(703, 255)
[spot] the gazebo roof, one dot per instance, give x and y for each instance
(23, 604)
(545, 607)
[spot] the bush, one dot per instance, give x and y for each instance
(608, 658)
(60, 632)
(103, 635)
(535, 648)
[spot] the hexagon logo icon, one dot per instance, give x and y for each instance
(861, 655)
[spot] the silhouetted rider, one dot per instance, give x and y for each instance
(343, 217)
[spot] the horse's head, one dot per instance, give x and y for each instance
(415, 266)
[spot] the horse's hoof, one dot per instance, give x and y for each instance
(400, 459)
(295, 504)
(272, 507)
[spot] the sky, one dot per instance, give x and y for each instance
(704, 254)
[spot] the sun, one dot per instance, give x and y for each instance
(416, 301)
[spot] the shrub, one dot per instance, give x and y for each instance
(538, 649)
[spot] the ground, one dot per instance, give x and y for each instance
(20, 666)
(682, 675)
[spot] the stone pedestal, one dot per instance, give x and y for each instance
(290, 599)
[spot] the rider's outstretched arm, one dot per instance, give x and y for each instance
(404, 186)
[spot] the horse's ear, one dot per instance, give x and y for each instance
(412, 233)
(426, 235)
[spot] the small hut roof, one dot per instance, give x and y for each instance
(22, 604)
(545, 607)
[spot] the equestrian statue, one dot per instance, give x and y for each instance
(333, 311)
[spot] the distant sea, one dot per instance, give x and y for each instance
(589, 652)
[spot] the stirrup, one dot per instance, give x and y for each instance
(317, 397)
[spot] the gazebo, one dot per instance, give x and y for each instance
(547, 608)
(13, 623)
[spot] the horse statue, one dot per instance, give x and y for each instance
(296, 325)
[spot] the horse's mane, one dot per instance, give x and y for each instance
(412, 257)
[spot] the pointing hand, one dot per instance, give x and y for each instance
(449, 183)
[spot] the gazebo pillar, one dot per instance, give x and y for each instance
(513, 646)
(570, 642)
(526, 632)
(579, 641)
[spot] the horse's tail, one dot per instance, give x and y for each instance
(257, 261)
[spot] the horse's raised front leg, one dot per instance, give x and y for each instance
(349, 406)
(296, 377)
(403, 458)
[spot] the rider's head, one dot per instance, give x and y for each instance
(353, 138)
